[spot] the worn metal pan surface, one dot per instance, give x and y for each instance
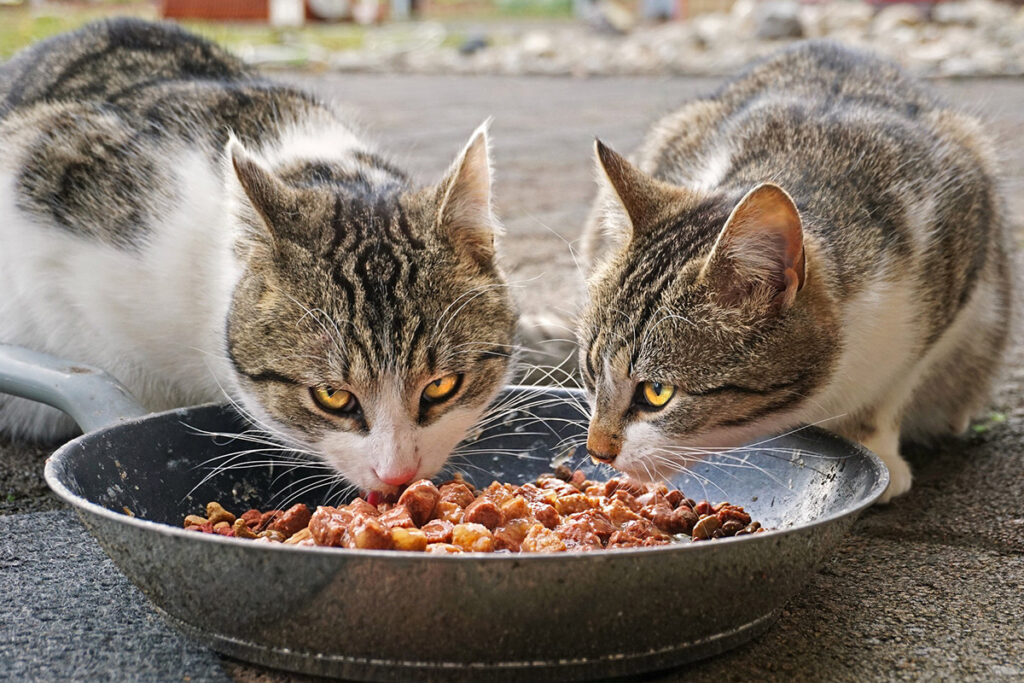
(380, 615)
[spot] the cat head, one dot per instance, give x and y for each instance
(707, 325)
(371, 324)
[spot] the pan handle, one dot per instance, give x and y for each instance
(90, 396)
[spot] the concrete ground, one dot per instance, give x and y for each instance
(930, 587)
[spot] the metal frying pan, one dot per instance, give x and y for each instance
(384, 615)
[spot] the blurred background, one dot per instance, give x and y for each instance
(560, 37)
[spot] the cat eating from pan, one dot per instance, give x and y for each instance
(191, 228)
(822, 241)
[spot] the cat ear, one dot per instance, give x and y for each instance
(759, 255)
(464, 211)
(272, 200)
(642, 199)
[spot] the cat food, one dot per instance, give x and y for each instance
(558, 512)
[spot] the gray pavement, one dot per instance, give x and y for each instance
(930, 587)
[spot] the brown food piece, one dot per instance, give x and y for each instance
(515, 508)
(731, 527)
(368, 533)
(627, 499)
(329, 525)
(545, 514)
(450, 512)
(553, 514)
(584, 530)
(511, 535)
(443, 548)
(251, 518)
(574, 502)
(195, 521)
(535, 494)
(292, 520)
(362, 507)
(732, 512)
(438, 531)
(705, 528)
(300, 536)
(564, 472)
(703, 508)
(473, 538)
(483, 511)
(215, 514)
(619, 512)
(271, 535)
(397, 516)
(499, 493)
(409, 539)
(266, 518)
(242, 530)
(457, 492)
(644, 529)
(420, 499)
(555, 484)
(540, 539)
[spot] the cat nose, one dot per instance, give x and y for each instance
(397, 477)
(603, 447)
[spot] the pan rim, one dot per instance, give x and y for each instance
(83, 505)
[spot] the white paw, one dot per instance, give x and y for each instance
(900, 477)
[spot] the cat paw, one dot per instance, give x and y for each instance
(900, 477)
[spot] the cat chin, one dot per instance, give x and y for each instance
(656, 456)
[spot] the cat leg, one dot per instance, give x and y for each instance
(960, 368)
(884, 442)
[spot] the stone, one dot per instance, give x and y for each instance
(778, 20)
(895, 16)
(473, 44)
(538, 44)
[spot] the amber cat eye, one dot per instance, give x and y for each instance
(334, 401)
(442, 388)
(654, 394)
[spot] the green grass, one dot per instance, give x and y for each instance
(989, 422)
(21, 25)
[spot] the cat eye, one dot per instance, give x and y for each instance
(442, 388)
(334, 401)
(653, 395)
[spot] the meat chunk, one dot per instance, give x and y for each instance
(420, 499)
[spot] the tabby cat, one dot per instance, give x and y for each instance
(823, 240)
(189, 227)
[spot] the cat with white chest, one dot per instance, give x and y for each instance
(195, 230)
(822, 241)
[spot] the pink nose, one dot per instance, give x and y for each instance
(396, 478)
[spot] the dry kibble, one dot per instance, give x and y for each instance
(215, 513)
(242, 529)
(705, 528)
(558, 513)
(195, 520)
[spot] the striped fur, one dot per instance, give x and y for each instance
(886, 318)
(194, 229)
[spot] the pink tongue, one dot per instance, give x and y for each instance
(374, 497)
